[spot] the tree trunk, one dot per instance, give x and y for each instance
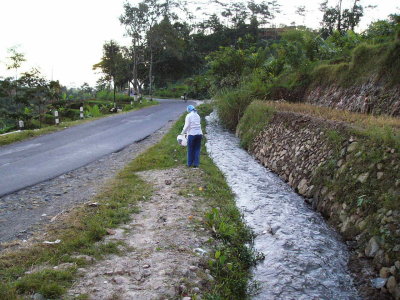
(151, 74)
(339, 24)
(115, 104)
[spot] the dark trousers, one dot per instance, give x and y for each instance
(193, 151)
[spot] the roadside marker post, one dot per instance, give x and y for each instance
(81, 112)
(21, 124)
(56, 117)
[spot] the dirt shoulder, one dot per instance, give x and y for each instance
(167, 240)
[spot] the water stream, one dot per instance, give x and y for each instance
(304, 257)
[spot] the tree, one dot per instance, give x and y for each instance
(15, 61)
(339, 19)
(111, 64)
(134, 19)
(36, 91)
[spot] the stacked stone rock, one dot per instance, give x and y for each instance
(294, 146)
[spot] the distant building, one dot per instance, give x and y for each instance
(273, 33)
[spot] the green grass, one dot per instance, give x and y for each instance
(26, 134)
(255, 118)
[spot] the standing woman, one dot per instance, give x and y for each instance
(193, 129)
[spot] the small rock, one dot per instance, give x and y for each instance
(146, 266)
(393, 270)
(196, 290)
(363, 177)
(86, 258)
(372, 247)
(64, 266)
(302, 187)
(119, 280)
(187, 298)
(193, 268)
(146, 273)
(110, 231)
(352, 147)
(397, 265)
(210, 278)
(168, 182)
(378, 282)
(391, 284)
(384, 272)
(93, 204)
(38, 296)
(379, 175)
(200, 251)
(182, 288)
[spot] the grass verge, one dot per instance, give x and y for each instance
(26, 134)
(231, 261)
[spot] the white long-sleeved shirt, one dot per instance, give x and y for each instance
(192, 124)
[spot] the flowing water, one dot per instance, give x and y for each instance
(304, 257)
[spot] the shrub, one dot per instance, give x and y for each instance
(255, 118)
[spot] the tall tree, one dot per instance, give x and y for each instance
(15, 61)
(134, 20)
(111, 64)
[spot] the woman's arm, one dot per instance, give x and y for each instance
(186, 126)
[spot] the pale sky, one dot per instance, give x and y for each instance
(64, 38)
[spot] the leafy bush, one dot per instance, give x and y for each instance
(92, 111)
(172, 91)
(231, 105)
(198, 87)
(255, 118)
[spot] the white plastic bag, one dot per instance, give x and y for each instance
(182, 140)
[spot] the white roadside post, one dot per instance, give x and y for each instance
(81, 112)
(21, 124)
(56, 117)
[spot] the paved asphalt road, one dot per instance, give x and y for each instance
(30, 162)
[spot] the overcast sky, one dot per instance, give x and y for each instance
(64, 38)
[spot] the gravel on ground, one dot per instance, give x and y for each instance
(166, 243)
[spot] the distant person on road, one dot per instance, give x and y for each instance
(193, 129)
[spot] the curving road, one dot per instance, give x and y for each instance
(30, 162)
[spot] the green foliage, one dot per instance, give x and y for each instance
(7, 292)
(50, 283)
(109, 96)
(92, 111)
(386, 63)
(226, 66)
(231, 105)
(255, 118)
(172, 91)
(198, 87)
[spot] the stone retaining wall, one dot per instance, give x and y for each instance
(329, 164)
(370, 97)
